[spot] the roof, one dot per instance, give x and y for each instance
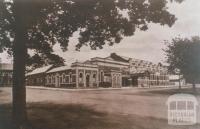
(5, 66)
(118, 57)
(40, 70)
(127, 59)
(84, 64)
(138, 71)
(57, 69)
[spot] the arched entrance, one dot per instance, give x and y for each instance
(87, 80)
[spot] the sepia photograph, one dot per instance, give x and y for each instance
(99, 64)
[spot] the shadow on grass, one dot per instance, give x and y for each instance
(56, 116)
(5, 117)
(64, 116)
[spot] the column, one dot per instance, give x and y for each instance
(84, 79)
(77, 78)
(112, 78)
(97, 78)
(120, 80)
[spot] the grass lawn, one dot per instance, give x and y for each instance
(53, 116)
(175, 91)
(56, 114)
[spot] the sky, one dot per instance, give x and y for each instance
(146, 45)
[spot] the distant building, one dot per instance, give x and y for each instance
(177, 80)
(6, 71)
(113, 71)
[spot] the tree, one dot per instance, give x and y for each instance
(38, 25)
(184, 54)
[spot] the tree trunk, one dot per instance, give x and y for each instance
(19, 114)
(179, 82)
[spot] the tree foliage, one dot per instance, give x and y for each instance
(38, 25)
(98, 22)
(184, 54)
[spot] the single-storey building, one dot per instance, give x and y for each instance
(113, 71)
(78, 75)
(177, 80)
(37, 76)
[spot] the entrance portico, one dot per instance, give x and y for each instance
(116, 79)
(87, 75)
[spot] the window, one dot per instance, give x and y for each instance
(153, 77)
(53, 79)
(61, 79)
(67, 79)
(46, 80)
(74, 78)
(94, 77)
(49, 79)
(37, 80)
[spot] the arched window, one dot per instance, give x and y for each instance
(80, 75)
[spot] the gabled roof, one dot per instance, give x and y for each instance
(57, 69)
(119, 58)
(40, 70)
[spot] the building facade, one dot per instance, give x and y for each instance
(113, 71)
(78, 75)
(37, 76)
(6, 71)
